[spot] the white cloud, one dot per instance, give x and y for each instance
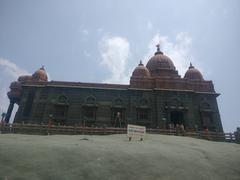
(11, 69)
(9, 72)
(178, 51)
(115, 53)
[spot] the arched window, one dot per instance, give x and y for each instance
(91, 100)
(143, 102)
(62, 99)
(174, 102)
(118, 102)
(205, 105)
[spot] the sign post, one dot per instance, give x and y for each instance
(136, 131)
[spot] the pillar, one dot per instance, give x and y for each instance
(9, 111)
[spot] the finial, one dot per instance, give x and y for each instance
(158, 49)
(140, 62)
(191, 66)
(43, 67)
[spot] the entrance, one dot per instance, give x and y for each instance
(142, 117)
(177, 117)
(117, 117)
(89, 115)
(60, 114)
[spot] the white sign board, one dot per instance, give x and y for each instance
(134, 131)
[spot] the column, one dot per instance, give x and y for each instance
(9, 111)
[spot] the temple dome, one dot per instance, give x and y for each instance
(141, 71)
(161, 65)
(160, 61)
(40, 75)
(193, 73)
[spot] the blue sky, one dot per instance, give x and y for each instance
(102, 41)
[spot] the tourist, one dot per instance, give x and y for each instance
(182, 130)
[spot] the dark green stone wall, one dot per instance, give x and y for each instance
(159, 104)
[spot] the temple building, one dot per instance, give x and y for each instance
(156, 97)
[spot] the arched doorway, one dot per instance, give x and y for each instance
(177, 117)
(118, 116)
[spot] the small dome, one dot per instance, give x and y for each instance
(193, 73)
(25, 78)
(40, 75)
(15, 90)
(140, 71)
(161, 65)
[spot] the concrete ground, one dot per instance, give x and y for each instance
(113, 157)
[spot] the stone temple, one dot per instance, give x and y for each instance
(155, 97)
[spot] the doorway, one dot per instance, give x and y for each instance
(117, 117)
(60, 114)
(89, 116)
(143, 117)
(177, 117)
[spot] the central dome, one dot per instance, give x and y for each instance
(160, 61)
(40, 75)
(161, 65)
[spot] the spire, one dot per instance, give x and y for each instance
(158, 49)
(43, 67)
(191, 66)
(140, 63)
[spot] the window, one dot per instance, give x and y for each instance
(90, 100)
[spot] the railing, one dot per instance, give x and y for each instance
(78, 130)
(57, 129)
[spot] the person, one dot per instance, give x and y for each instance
(196, 128)
(118, 120)
(49, 124)
(182, 130)
(237, 135)
(206, 133)
(177, 129)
